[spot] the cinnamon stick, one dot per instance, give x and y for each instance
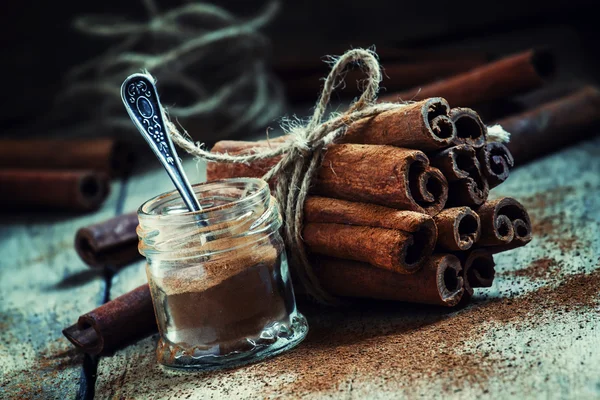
(112, 242)
(117, 323)
(496, 161)
(383, 248)
(502, 78)
(438, 282)
(384, 237)
(113, 157)
(424, 125)
(478, 269)
(385, 175)
(328, 210)
(459, 164)
(470, 129)
(459, 228)
(52, 190)
(397, 76)
(553, 125)
(504, 223)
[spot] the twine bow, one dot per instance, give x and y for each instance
(302, 156)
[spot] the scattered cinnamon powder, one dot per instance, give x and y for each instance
(395, 343)
(541, 268)
(545, 200)
(553, 228)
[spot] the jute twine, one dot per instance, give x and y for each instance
(200, 51)
(302, 156)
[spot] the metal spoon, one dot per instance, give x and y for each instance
(143, 106)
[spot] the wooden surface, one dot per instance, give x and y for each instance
(535, 334)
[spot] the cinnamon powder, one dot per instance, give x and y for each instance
(389, 343)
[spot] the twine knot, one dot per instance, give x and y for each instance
(302, 156)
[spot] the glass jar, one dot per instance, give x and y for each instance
(219, 277)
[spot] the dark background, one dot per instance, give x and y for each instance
(39, 44)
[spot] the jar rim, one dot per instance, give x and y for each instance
(145, 211)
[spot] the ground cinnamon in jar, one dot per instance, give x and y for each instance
(221, 290)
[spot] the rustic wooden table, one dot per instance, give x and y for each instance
(535, 334)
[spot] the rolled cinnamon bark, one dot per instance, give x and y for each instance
(424, 125)
(112, 242)
(496, 162)
(467, 186)
(389, 249)
(113, 157)
(52, 189)
(505, 77)
(553, 125)
(470, 129)
(504, 223)
(324, 209)
(438, 282)
(459, 228)
(397, 76)
(479, 269)
(385, 175)
(115, 324)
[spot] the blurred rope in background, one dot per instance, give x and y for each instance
(211, 68)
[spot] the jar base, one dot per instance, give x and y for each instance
(174, 357)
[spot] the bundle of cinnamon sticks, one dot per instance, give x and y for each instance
(399, 207)
(398, 210)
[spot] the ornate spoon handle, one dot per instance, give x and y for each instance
(143, 106)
